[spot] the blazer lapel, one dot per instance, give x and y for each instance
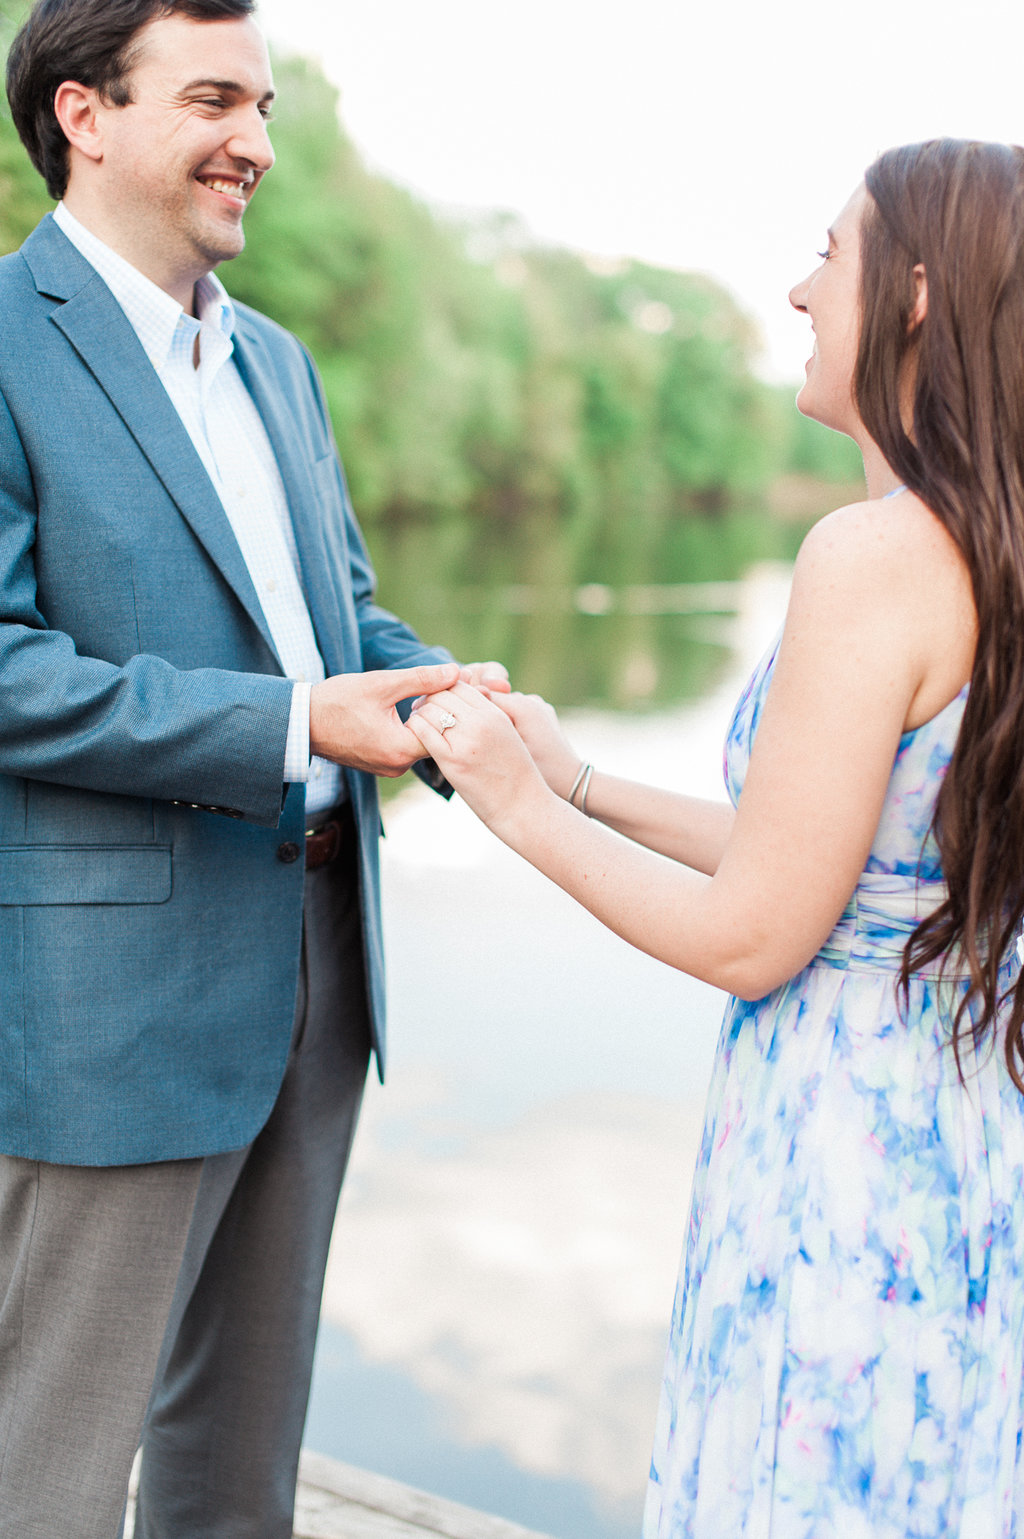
(307, 516)
(101, 335)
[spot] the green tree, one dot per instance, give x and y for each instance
(23, 197)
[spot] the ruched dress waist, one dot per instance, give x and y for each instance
(879, 919)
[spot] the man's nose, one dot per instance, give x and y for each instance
(250, 140)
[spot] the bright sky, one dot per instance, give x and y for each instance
(714, 136)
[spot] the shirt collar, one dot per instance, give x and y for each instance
(153, 314)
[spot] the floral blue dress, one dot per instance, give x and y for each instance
(846, 1349)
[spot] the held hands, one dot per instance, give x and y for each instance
(474, 743)
(497, 751)
(538, 725)
(353, 720)
(489, 676)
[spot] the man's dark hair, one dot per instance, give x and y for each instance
(91, 41)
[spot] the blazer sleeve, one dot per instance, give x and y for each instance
(210, 737)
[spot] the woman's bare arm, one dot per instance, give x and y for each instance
(878, 637)
(689, 829)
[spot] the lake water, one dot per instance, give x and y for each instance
(505, 1255)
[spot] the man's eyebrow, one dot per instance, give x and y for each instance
(229, 87)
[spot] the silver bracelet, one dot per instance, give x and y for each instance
(571, 798)
(586, 788)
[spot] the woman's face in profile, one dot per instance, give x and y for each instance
(830, 296)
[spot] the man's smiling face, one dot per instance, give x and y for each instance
(182, 160)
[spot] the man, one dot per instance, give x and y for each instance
(193, 673)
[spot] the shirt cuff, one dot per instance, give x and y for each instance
(296, 748)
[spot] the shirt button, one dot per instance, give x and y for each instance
(288, 853)
(270, 585)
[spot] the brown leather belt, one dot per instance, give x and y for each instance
(325, 842)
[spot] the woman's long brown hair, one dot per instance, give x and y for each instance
(958, 208)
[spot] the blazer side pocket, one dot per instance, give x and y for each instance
(36, 875)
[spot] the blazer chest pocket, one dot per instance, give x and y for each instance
(41, 874)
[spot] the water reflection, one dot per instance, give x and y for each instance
(628, 627)
(390, 1411)
(506, 1250)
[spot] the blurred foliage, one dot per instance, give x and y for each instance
(486, 387)
(475, 377)
(815, 451)
(12, 12)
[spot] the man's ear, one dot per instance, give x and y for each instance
(77, 110)
(920, 309)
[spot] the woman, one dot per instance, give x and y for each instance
(846, 1350)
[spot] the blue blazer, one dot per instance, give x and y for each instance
(149, 951)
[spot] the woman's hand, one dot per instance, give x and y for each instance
(538, 725)
(477, 747)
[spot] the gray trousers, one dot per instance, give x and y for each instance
(176, 1304)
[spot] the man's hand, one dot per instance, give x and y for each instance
(487, 676)
(352, 717)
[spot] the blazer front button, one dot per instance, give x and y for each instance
(288, 852)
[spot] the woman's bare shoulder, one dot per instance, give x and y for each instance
(887, 568)
(881, 533)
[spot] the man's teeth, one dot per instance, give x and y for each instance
(218, 184)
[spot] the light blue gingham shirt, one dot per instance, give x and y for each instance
(221, 419)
